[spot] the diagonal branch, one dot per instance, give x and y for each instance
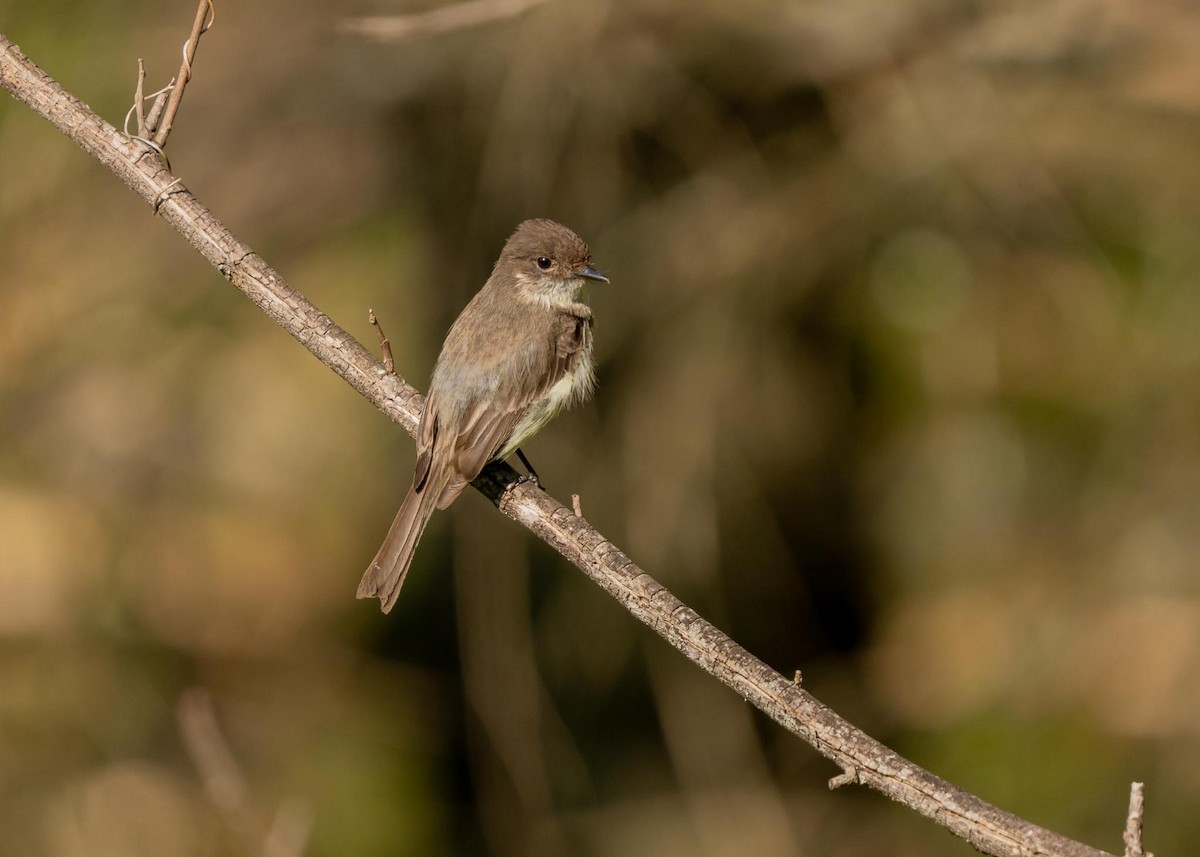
(288, 833)
(862, 759)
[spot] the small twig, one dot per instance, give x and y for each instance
(145, 121)
(798, 678)
(1133, 822)
(225, 784)
(385, 346)
(290, 830)
(847, 777)
(156, 112)
(210, 754)
(460, 16)
(153, 127)
(139, 98)
(575, 506)
(206, 16)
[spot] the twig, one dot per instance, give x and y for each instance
(385, 345)
(845, 778)
(988, 828)
(153, 127)
(460, 16)
(226, 786)
(290, 831)
(576, 507)
(139, 99)
(156, 112)
(200, 25)
(1133, 822)
(210, 754)
(146, 122)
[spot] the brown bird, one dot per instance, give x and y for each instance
(519, 353)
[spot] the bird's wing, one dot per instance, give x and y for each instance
(490, 421)
(427, 432)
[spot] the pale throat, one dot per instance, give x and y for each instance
(550, 292)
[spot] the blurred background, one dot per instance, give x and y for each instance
(898, 386)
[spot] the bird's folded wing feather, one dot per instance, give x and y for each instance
(489, 423)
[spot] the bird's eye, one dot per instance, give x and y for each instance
(543, 262)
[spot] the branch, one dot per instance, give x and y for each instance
(862, 759)
(291, 826)
(1133, 824)
(459, 16)
(200, 25)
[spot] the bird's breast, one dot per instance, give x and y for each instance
(575, 384)
(565, 391)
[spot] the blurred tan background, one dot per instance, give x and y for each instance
(898, 385)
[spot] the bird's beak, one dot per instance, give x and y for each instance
(590, 273)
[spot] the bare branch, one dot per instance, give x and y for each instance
(139, 100)
(210, 754)
(225, 785)
(155, 120)
(1133, 822)
(845, 778)
(156, 111)
(200, 25)
(385, 344)
(988, 828)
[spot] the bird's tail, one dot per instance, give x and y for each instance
(387, 571)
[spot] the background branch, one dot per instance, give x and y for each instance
(862, 759)
(457, 16)
(287, 832)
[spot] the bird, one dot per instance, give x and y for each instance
(518, 354)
